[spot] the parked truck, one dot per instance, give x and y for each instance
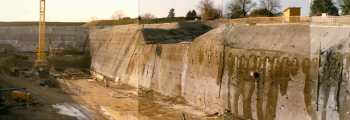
(15, 71)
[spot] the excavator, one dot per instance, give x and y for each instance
(41, 62)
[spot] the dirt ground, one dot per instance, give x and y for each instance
(89, 100)
(82, 100)
(153, 105)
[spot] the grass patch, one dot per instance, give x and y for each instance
(163, 20)
(111, 22)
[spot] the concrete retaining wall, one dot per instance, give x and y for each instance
(191, 72)
(280, 55)
(113, 52)
(27, 38)
(330, 72)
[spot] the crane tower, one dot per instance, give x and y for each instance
(41, 61)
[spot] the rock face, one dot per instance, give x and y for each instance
(210, 67)
(279, 54)
(27, 38)
(330, 72)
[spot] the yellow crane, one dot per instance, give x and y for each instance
(41, 62)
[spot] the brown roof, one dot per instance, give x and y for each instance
(291, 7)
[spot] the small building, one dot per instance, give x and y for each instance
(291, 13)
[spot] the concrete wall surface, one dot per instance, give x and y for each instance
(113, 52)
(187, 71)
(279, 54)
(27, 38)
(330, 47)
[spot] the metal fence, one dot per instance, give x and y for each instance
(269, 20)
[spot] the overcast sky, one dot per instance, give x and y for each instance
(65, 10)
(161, 8)
(304, 4)
(82, 10)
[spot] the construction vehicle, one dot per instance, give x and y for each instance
(3, 108)
(15, 71)
(22, 96)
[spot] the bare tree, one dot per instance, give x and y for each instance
(119, 14)
(114, 17)
(219, 9)
(239, 8)
(204, 7)
(271, 5)
(93, 18)
(147, 16)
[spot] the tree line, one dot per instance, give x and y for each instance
(331, 7)
(241, 8)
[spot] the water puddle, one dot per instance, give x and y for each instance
(72, 110)
(113, 115)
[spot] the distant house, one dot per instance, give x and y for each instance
(290, 13)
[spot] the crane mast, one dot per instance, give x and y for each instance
(41, 61)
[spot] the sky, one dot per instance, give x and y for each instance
(304, 4)
(65, 10)
(83, 10)
(161, 8)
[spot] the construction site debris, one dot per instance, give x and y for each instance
(76, 74)
(91, 80)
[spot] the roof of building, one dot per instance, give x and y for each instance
(291, 7)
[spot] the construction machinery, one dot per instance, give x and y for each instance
(15, 71)
(22, 96)
(41, 62)
(4, 108)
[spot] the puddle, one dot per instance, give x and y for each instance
(113, 115)
(72, 110)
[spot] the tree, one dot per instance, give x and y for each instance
(264, 12)
(171, 13)
(189, 14)
(114, 17)
(93, 18)
(119, 14)
(194, 13)
(147, 16)
(344, 6)
(204, 7)
(140, 17)
(324, 6)
(239, 8)
(271, 5)
(208, 11)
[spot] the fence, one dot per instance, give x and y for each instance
(269, 20)
(330, 20)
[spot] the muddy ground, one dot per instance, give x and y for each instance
(82, 100)
(88, 100)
